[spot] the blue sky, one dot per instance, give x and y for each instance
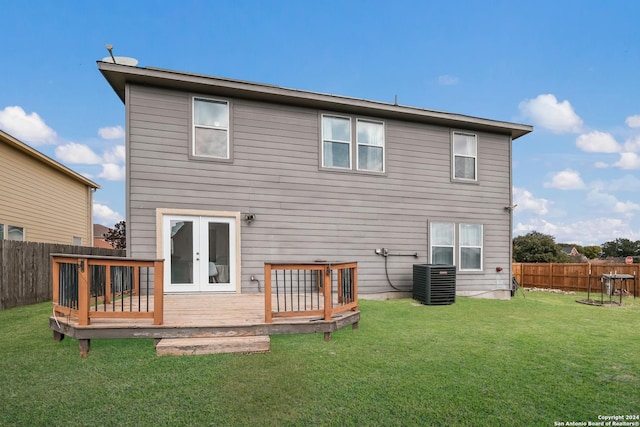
(570, 68)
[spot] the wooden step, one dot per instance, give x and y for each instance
(218, 345)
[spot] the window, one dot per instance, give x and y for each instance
(1, 231)
(77, 241)
(470, 247)
(338, 148)
(15, 233)
(210, 128)
(442, 243)
(370, 137)
(465, 151)
(336, 142)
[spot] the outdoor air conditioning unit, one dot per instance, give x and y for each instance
(434, 284)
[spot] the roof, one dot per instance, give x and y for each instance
(119, 76)
(35, 154)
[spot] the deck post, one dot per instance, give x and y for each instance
(85, 346)
(83, 292)
(328, 288)
(267, 293)
(55, 276)
(355, 288)
(158, 292)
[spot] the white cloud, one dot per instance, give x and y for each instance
(112, 172)
(116, 154)
(448, 80)
(601, 165)
(632, 144)
(548, 113)
(103, 214)
(26, 127)
(596, 197)
(610, 202)
(628, 161)
(566, 180)
(598, 142)
(633, 121)
(77, 153)
(626, 207)
(111, 132)
(526, 202)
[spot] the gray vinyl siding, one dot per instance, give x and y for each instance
(304, 213)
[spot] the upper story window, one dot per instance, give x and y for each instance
(210, 128)
(370, 137)
(465, 156)
(336, 142)
(338, 147)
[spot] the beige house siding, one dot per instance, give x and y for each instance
(50, 204)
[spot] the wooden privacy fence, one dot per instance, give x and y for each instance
(568, 277)
(25, 270)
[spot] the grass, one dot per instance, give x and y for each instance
(529, 361)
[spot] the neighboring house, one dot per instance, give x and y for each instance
(42, 200)
(570, 250)
(99, 241)
(573, 253)
(223, 175)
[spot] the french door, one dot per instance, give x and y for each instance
(199, 253)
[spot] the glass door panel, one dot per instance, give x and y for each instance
(199, 253)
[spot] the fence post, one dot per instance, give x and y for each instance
(83, 292)
(328, 290)
(158, 292)
(267, 293)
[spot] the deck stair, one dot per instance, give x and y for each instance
(216, 345)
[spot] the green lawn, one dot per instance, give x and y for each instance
(530, 361)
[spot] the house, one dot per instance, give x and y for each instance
(42, 200)
(99, 231)
(225, 175)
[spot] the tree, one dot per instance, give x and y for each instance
(620, 247)
(535, 247)
(117, 236)
(592, 252)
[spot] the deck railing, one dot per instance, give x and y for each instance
(310, 289)
(91, 287)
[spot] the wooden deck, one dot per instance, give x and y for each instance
(198, 316)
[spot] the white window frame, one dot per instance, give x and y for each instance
(454, 156)
(22, 233)
(383, 146)
(227, 129)
(432, 245)
(323, 140)
(481, 247)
